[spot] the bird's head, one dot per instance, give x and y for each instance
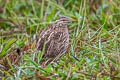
(63, 20)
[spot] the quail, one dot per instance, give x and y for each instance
(55, 38)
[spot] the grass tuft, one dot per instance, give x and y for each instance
(93, 51)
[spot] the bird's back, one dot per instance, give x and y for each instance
(56, 41)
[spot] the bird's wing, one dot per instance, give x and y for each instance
(63, 43)
(41, 41)
(57, 42)
(45, 33)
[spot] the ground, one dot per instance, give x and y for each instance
(93, 51)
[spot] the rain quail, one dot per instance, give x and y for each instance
(55, 38)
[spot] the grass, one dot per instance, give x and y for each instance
(94, 39)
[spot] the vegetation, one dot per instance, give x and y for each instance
(94, 39)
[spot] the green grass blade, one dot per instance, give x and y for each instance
(7, 45)
(33, 62)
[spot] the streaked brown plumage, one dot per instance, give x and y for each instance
(55, 38)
